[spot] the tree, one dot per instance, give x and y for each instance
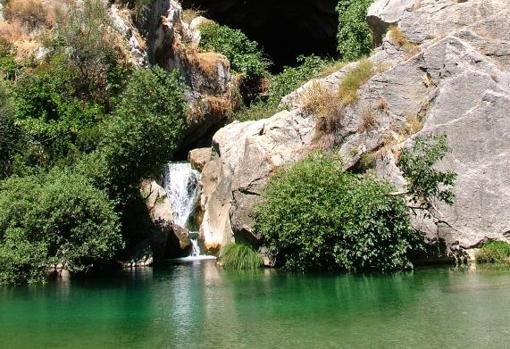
(142, 135)
(8, 133)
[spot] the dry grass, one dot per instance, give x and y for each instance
(353, 80)
(219, 105)
(368, 120)
(321, 101)
(190, 14)
(22, 44)
(27, 21)
(332, 68)
(413, 125)
(33, 14)
(30, 13)
(381, 104)
(208, 62)
(398, 38)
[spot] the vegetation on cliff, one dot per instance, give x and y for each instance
(316, 216)
(494, 252)
(354, 36)
(244, 55)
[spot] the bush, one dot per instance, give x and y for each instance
(86, 37)
(244, 55)
(54, 219)
(240, 257)
(354, 36)
(56, 124)
(281, 85)
(315, 216)
(494, 252)
(425, 184)
(146, 129)
(8, 133)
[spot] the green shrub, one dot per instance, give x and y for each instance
(354, 36)
(244, 55)
(146, 129)
(494, 252)
(92, 47)
(55, 122)
(54, 219)
(292, 78)
(240, 257)
(8, 133)
(425, 184)
(315, 216)
(281, 85)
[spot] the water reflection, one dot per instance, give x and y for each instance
(201, 306)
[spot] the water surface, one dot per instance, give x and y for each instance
(201, 306)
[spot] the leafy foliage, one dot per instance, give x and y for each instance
(354, 37)
(144, 132)
(317, 217)
(53, 219)
(240, 257)
(244, 55)
(56, 124)
(87, 39)
(494, 252)
(8, 133)
(425, 183)
(281, 85)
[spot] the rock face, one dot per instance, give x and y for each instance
(244, 155)
(173, 44)
(123, 22)
(451, 77)
(168, 240)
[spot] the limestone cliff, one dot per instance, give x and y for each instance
(442, 67)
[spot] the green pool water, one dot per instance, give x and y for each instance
(201, 306)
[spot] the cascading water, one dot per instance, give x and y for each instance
(182, 185)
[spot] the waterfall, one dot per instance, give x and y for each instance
(182, 185)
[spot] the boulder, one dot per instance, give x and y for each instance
(199, 157)
(167, 240)
(244, 156)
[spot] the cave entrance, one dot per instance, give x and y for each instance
(284, 28)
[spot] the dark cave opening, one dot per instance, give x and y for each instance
(285, 29)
